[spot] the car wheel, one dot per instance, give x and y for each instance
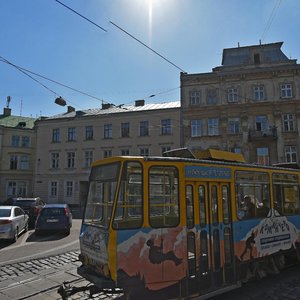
(16, 235)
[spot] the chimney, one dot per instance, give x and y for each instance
(106, 105)
(6, 111)
(140, 102)
(70, 109)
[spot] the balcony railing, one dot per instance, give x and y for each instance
(270, 133)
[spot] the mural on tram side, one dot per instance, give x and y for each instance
(155, 257)
(271, 235)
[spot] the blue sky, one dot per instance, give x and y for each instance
(44, 37)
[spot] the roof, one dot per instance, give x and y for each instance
(17, 122)
(268, 53)
(113, 109)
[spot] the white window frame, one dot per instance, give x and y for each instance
(144, 151)
(234, 125)
(88, 158)
(69, 188)
(166, 127)
(55, 135)
(195, 97)
(53, 189)
(107, 134)
(290, 153)
(232, 95)
(71, 159)
(107, 153)
(213, 126)
(196, 128)
(144, 128)
(289, 122)
(261, 123)
(259, 93)
(286, 90)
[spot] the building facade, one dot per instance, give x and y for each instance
(17, 155)
(250, 105)
(68, 143)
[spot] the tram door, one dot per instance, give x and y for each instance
(220, 234)
(209, 235)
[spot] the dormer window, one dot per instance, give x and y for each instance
(256, 58)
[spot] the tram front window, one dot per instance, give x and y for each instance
(103, 183)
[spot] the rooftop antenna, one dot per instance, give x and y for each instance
(8, 99)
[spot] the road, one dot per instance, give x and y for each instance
(29, 246)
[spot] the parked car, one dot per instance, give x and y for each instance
(54, 217)
(31, 206)
(13, 221)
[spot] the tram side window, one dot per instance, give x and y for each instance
(252, 195)
(189, 206)
(202, 205)
(286, 194)
(163, 196)
(129, 211)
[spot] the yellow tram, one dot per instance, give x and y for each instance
(186, 225)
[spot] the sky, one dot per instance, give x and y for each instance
(135, 49)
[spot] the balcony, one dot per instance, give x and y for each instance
(267, 134)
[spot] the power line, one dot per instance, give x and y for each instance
(161, 56)
(77, 13)
(271, 18)
(139, 41)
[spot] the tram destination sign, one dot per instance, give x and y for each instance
(207, 172)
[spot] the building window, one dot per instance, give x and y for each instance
(16, 189)
(232, 95)
(108, 131)
(124, 130)
(71, 134)
(70, 159)
(196, 128)
(290, 153)
(13, 162)
(166, 128)
(69, 189)
(107, 153)
(165, 149)
(54, 160)
(15, 141)
(53, 189)
(144, 128)
(25, 141)
(236, 150)
(212, 96)
(124, 152)
(195, 98)
(24, 162)
(263, 156)
(286, 90)
(233, 125)
(55, 135)
(261, 123)
(144, 151)
(288, 122)
(89, 132)
(88, 158)
(259, 93)
(213, 126)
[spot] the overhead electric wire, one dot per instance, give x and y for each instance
(77, 13)
(161, 56)
(271, 18)
(120, 28)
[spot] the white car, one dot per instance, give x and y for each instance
(13, 221)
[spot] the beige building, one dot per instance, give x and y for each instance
(69, 142)
(17, 155)
(250, 104)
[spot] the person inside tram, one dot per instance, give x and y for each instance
(250, 207)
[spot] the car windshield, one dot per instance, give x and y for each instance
(52, 212)
(5, 212)
(24, 202)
